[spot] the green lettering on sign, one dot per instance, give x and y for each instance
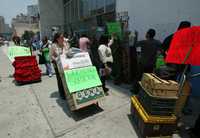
(81, 79)
(114, 27)
(16, 51)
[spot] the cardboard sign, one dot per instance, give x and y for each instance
(114, 27)
(88, 95)
(81, 79)
(77, 61)
(16, 51)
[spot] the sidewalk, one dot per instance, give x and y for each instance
(36, 111)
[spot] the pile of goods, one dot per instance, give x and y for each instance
(153, 109)
(26, 70)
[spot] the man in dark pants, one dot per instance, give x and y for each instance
(149, 48)
(117, 71)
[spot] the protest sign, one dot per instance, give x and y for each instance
(114, 27)
(16, 51)
(77, 61)
(81, 79)
(88, 95)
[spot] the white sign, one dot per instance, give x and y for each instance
(77, 61)
(122, 16)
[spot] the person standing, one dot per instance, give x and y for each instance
(58, 48)
(149, 49)
(167, 41)
(16, 40)
(106, 60)
(117, 52)
(84, 43)
(44, 49)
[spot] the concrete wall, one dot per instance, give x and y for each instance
(163, 15)
(51, 14)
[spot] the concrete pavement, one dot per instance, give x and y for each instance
(35, 111)
(20, 113)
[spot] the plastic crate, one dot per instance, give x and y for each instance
(156, 105)
(151, 126)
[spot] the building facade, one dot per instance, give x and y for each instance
(32, 10)
(51, 16)
(2, 24)
(163, 16)
(87, 16)
(23, 23)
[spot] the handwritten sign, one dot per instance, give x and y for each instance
(88, 95)
(79, 60)
(114, 27)
(81, 79)
(16, 51)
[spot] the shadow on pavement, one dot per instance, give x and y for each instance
(122, 88)
(45, 74)
(79, 114)
(25, 83)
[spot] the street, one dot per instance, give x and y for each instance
(36, 111)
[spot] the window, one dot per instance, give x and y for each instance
(100, 6)
(110, 5)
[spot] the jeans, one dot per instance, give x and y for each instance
(48, 68)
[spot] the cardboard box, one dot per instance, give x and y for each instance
(159, 87)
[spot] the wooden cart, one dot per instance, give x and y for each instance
(83, 97)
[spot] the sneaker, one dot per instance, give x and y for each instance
(50, 75)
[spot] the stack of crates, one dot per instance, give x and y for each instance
(153, 108)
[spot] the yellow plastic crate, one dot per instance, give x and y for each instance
(149, 118)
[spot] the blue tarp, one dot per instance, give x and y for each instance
(195, 81)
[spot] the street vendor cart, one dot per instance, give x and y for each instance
(80, 79)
